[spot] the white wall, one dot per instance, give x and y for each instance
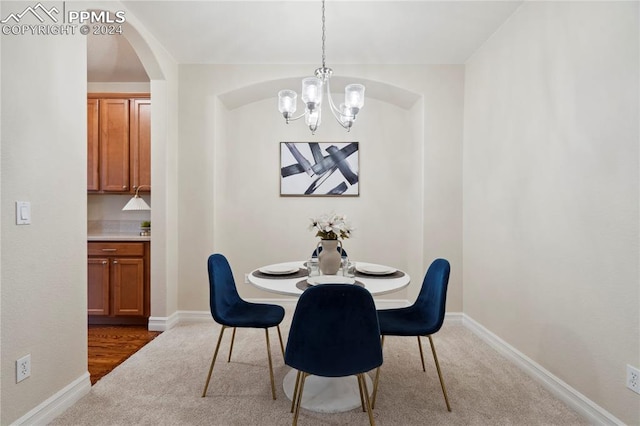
(229, 173)
(250, 212)
(43, 266)
(551, 193)
(101, 87)
(44, 273)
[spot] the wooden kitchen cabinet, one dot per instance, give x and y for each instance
(118, 282)
(140, 143)
(93, 136)
(114, 145)
(119, 142)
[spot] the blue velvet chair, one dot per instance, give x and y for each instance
(423, 318)
(317, 251)
(230, 310)
(334, 333)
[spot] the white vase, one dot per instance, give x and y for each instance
(329, 258)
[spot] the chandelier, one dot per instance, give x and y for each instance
(312, 93)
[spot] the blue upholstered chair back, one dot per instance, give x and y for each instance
(432, 299)
(223, 295)
(334, 332)
(317, 251)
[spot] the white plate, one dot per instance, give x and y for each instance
(374, 269)
(278, 269)
(330, 279)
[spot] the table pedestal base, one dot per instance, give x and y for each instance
(327, 394)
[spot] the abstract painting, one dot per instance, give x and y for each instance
(319, 169)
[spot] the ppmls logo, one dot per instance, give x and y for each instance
(39, 11)
(40, 20)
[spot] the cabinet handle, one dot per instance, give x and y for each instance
(124, 187)
(115, 261)
(109, 249)
(104, 262)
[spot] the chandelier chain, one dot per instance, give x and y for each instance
(323, 36)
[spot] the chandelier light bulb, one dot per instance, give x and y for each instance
(313, 119)
(287, 100)
(354, 96)
(346, 116)
(312, 92)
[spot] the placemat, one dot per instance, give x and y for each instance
(303, 285)
(396, 274)
(302, 272)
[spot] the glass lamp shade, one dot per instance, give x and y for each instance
(312, 91)
(312, 118)
(346, 116)
(287, 100)
(136, 203)
(354, 96)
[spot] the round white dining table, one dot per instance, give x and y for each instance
(289, 284)
(326, 394)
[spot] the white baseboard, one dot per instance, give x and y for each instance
(453, 318)
(591, 411)
(163, 323)
(55, 405)
(181, 317)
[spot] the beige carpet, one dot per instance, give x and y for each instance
(162, 384)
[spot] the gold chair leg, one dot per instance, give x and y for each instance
(361, 397)
(375, 382)
(295, 391)
(299, 399)
(435, 357)
(362, 380)
(273, 386)
(280, 337)
(421, 354)
(233, 338)
(213, 361)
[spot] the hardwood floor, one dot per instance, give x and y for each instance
(110, 345)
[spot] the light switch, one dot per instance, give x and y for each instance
(23, 213)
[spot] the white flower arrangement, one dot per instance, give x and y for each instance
(331, 226)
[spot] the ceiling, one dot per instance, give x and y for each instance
(112, 59)
(289, 32)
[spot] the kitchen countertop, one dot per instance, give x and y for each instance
(118, 237)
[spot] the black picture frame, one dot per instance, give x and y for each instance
(319, 169)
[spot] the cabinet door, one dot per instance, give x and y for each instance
(98, 286)
(93, 132)
(127, 280)
(140, 141)
(114, 145)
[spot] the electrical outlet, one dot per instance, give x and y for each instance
(23, 368)
(633, 378)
